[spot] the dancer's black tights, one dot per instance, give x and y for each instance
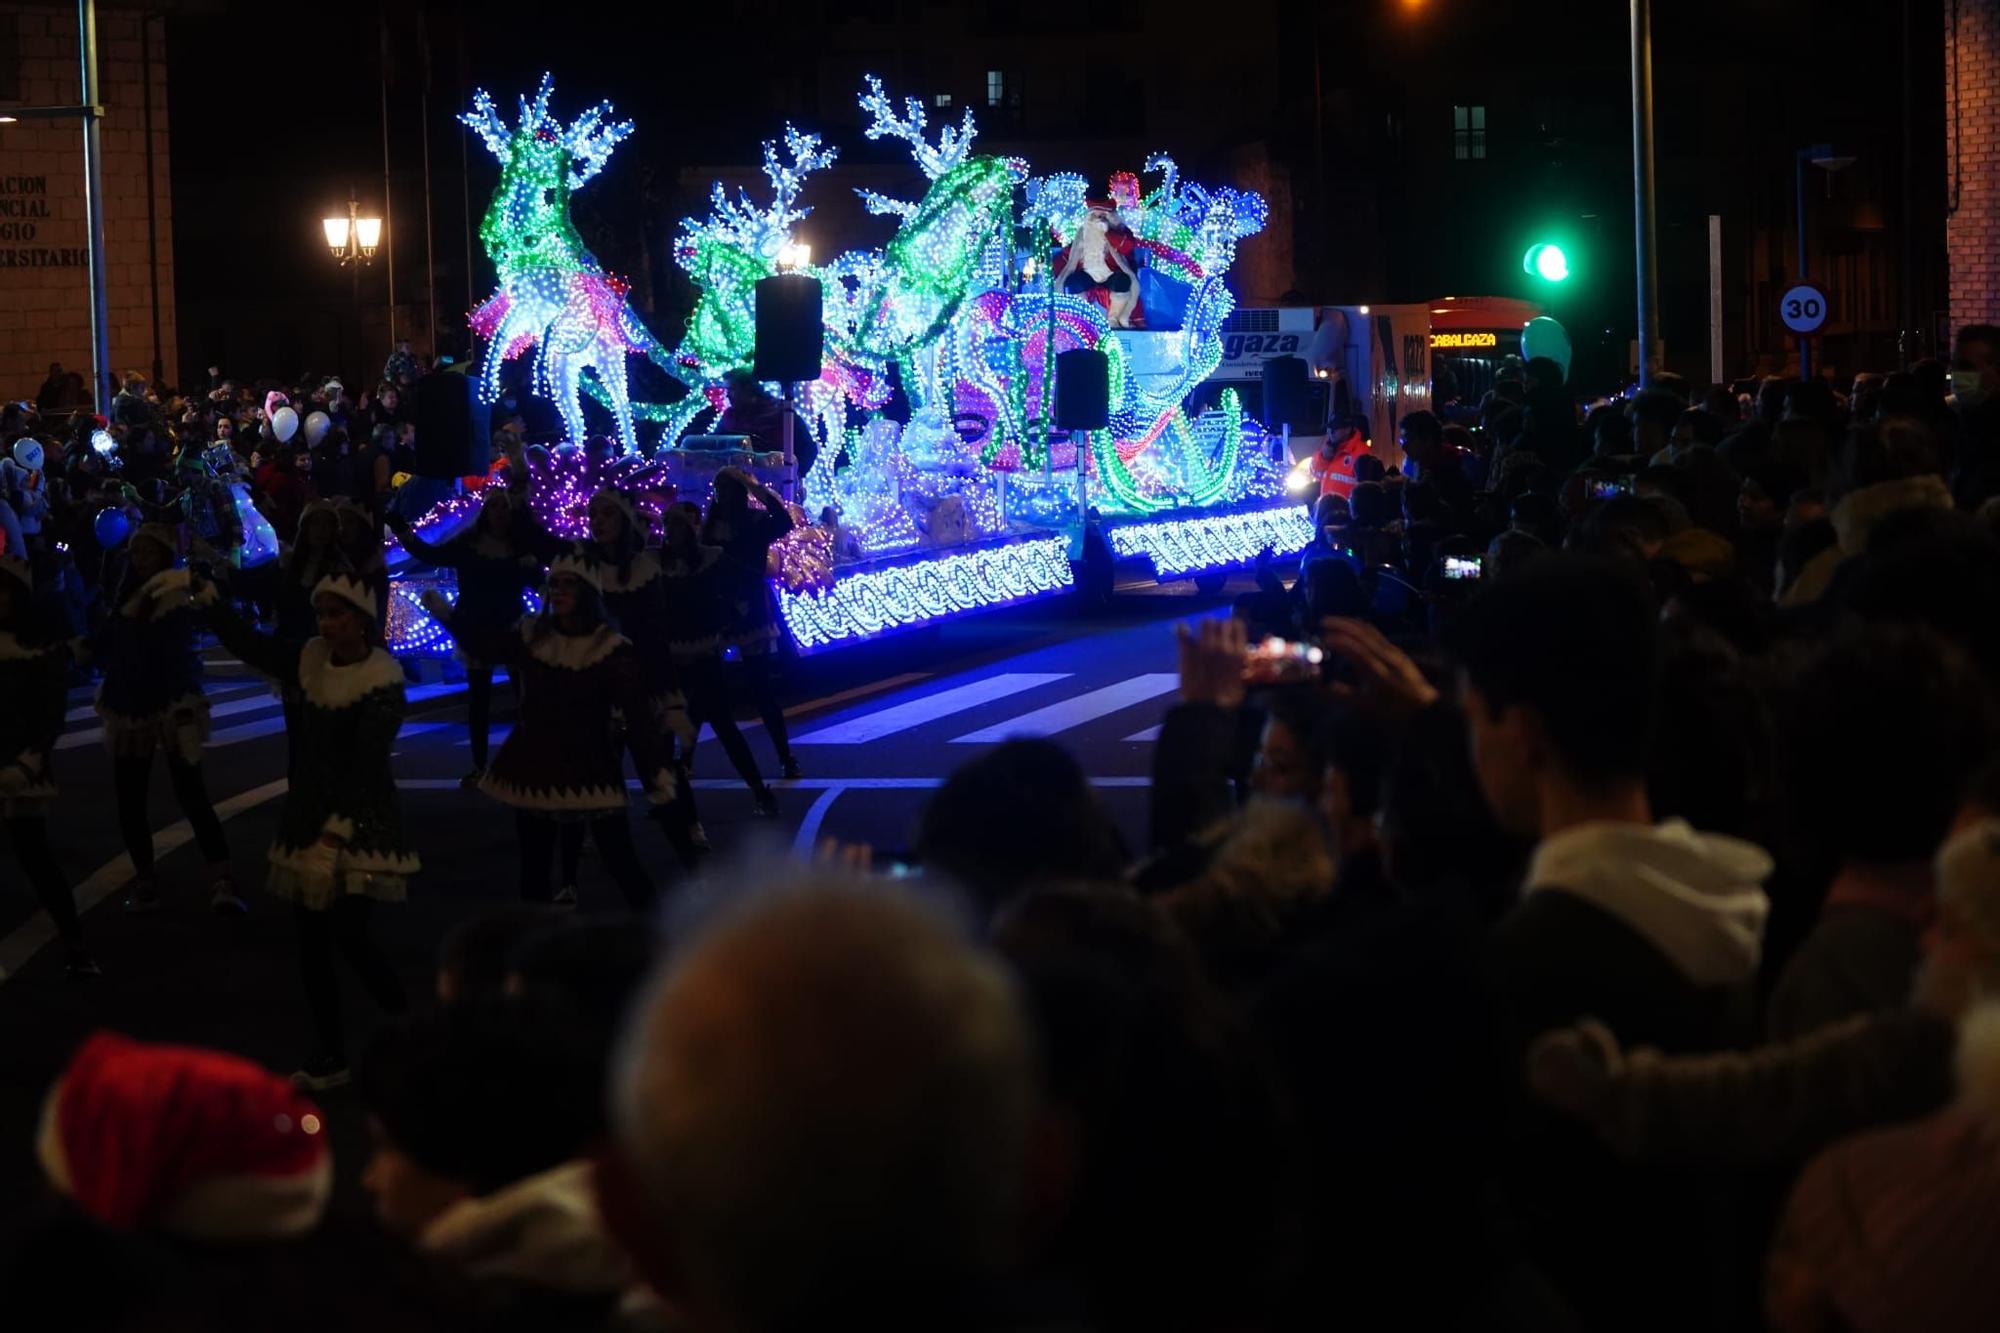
(343, 927)
(479, 710)
(760, 672)
(707, 691)
(612, 832)
(129, 776)
(30, 836)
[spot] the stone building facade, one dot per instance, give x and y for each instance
(1972, 159)
(44, 254)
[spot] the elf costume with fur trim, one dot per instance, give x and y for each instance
(342, 784)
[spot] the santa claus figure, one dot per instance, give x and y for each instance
(1099, 259)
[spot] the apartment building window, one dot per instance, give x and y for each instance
(943, 100)
(1003, 89)
(1468, 133)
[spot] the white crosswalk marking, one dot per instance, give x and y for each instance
(873, 726)
(213, 689)
(1070, 713)
(249, 731)
(1149, 734)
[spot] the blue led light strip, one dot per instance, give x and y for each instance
(1178, 547)
(864, 603)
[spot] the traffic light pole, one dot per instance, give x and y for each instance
(1645, 231)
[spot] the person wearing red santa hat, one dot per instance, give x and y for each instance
(32, 670)
(184, 1142)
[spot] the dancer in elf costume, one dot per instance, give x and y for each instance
(693, 578)
(635, 597)
(341, 845)
(744, 535)
(495, 566)
(582, 690)
(33, 669)
(152, 703)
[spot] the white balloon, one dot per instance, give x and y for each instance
(317, 425)
(28, 453)
(284, 424)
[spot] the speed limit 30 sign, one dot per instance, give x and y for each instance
(1803, 308)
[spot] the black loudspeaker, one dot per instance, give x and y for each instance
(1288, 398)
(454, 437)
(1083, 389)
(791, 339)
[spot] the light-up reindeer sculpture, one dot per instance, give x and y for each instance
(554, 297)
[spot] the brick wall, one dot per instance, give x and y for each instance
(44, 278)
(1972, 161)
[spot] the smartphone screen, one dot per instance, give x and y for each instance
(1464, 566)
(1607, 488)
(1278, 661)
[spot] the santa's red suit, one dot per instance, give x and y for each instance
(1098, 265)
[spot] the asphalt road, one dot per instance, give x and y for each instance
(875, 727)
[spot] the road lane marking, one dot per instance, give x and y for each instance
(70, 740)
(1149, 734)
(1071, 713)
(269, 726)
(212, 690)
(38, 931)
(794, 784)
(808, 834)
(873, 726)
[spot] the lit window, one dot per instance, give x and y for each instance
(996, 87)
(943, 99)
(1468, 132)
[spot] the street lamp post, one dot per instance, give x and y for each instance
(1645, 230)
(352, 239)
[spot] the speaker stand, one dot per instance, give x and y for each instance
(790, 483)
(1080, 439)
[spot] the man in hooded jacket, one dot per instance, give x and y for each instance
(1653, 929)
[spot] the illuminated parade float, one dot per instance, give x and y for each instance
(987, 494)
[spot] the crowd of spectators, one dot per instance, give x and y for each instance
(1602, 940)
(157, 448)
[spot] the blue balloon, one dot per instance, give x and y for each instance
(112, 528)
(1542, 336)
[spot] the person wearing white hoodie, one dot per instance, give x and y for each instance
(1655, 929)
(483, 1117)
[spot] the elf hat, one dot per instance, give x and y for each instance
(576, 567)
(350, 590)
(195, 1143)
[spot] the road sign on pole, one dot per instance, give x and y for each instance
(1803, 308)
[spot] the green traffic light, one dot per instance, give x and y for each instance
(1547, 262)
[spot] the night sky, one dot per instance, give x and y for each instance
(276, 112)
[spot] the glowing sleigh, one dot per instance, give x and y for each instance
(975, 499)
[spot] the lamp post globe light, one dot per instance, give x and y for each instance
(351, 237)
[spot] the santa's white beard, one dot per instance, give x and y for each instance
(1096, 261)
